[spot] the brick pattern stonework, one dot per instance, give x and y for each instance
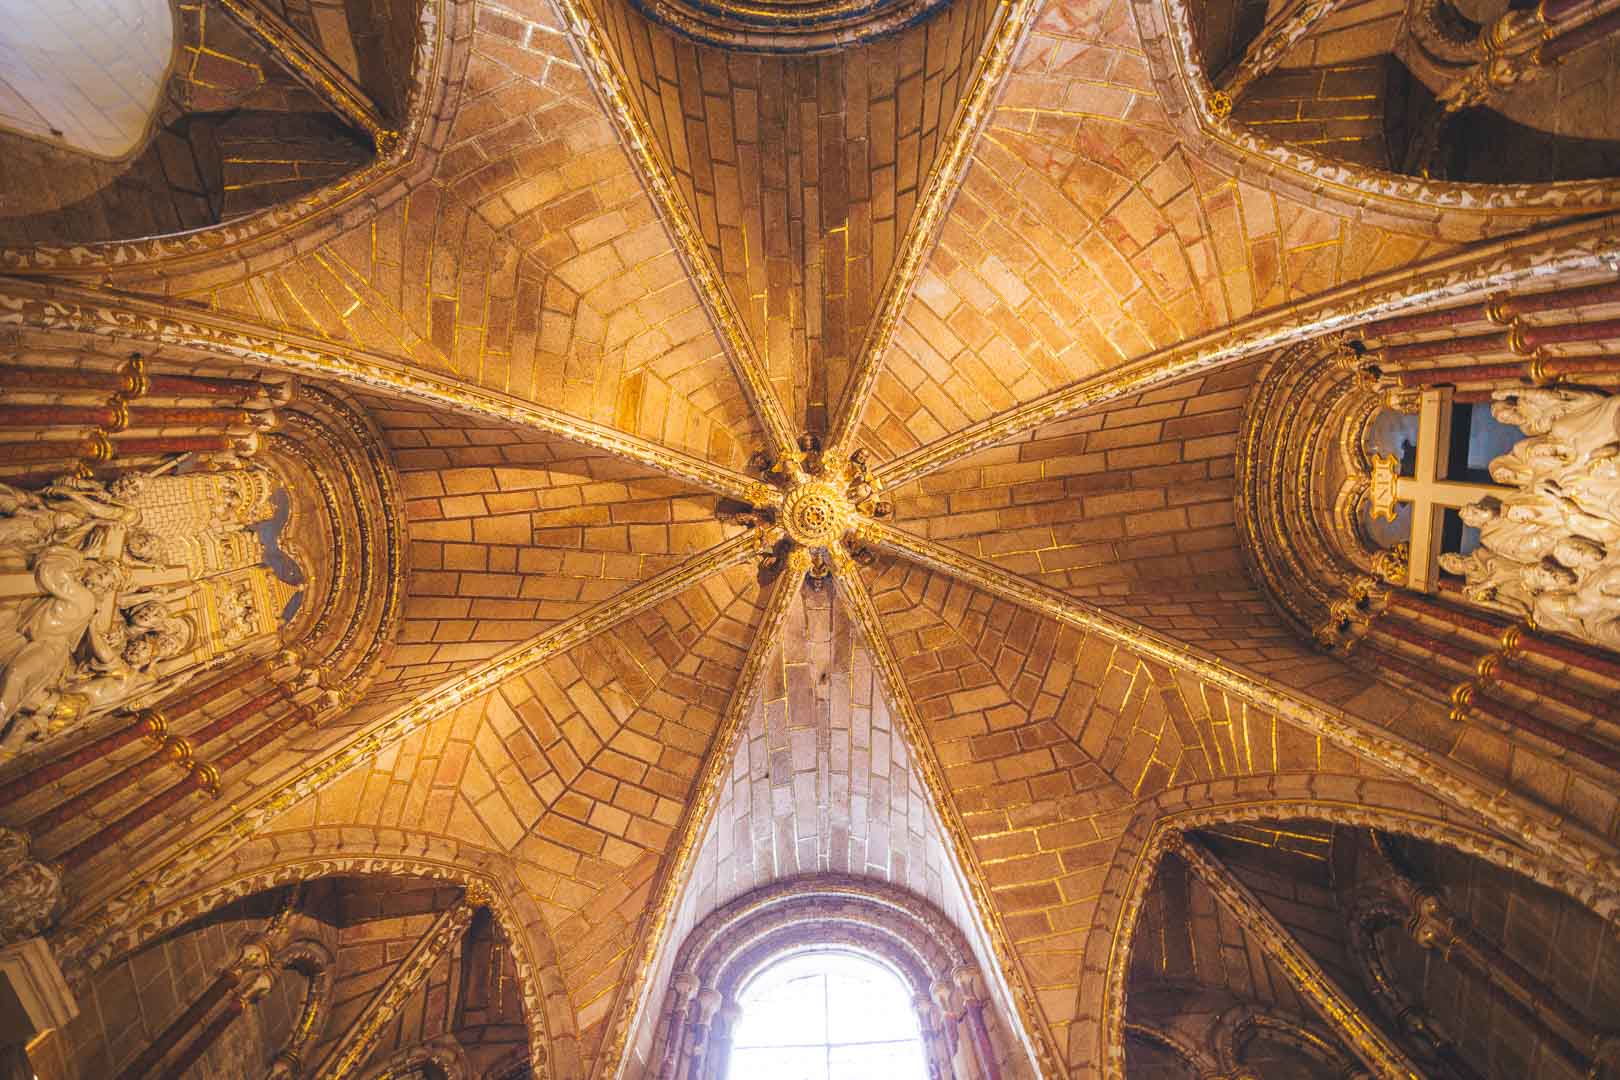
(1050, 741)
(1085, 235)
(532, 263)
(518, 257)
(821, 781)
(512, 532)
(576, 771)
(802, 173)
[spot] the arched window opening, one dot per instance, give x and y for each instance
(828, 1016)
(830, 978)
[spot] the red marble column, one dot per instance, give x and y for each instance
(172, 444)
(1545, 369)
(1493, 627)
(175, 751)
(200, 778)
(56, 379)
(262, 738)
(257, 706)
(1522, 340)
(149, 723)
(100, 448)
(152, 723)
(1465, 695)
(117, 418)
(1504, 308)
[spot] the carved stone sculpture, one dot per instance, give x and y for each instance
(94, 585)
(39, 648)
(29, 890)
(1551, 550)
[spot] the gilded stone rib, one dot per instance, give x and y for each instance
(1591, 245)
(360, 1038)
(633, 993)
(1031, 1021)
(306, 63)
(1266, 51)
(1011, 21)
(31, 304)
(638, 142)
(250, 818)
(1456, 782)
(1365, 1040)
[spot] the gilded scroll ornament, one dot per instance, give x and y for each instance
(30, 890)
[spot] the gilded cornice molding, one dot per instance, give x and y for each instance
(678, 863)
(356, 1043)
(184, 860)
(443, 47)
(1588, 245)
(1365, 1040)
(30, 304)
(1452, 780)
(638, 142)
(1191, 104)
(1011, 24)
(1030, 1019)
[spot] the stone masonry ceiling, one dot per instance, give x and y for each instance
(813, 438)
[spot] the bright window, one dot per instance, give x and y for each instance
(827, 1016)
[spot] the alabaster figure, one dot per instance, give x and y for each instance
(127, 685)
(1517, 530)
(1580, 605)
(1542, 410)
(37, 651)
(1491, 580)
(1550, 550)
(87, 618)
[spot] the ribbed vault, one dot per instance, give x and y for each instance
(615, 304)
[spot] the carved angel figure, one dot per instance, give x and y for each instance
(1551, 549)
(1581, 420)
(1580, 605)
(1522, 528)
(1490, 579)
(38, 650)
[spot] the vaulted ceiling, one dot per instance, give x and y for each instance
(1000, 251)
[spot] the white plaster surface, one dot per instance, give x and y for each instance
(91, 70)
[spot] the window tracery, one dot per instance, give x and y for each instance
(820, 926)
(823, 1015)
